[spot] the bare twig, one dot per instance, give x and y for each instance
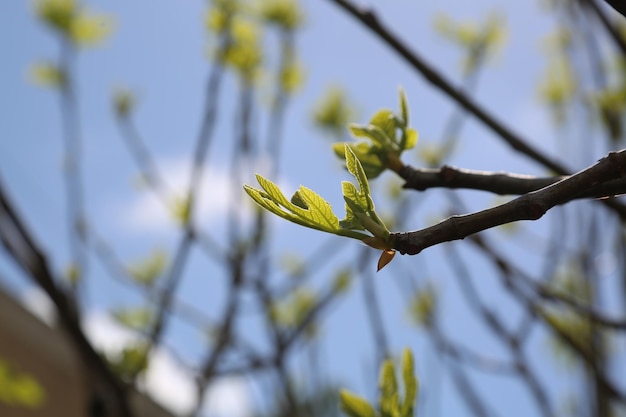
(24, 250)
(539, 311)
(531, 206)
(613, 31)
(72, 164)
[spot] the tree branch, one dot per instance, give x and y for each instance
(531, 206)
(369, 19)
(22, 247)
(502, 183)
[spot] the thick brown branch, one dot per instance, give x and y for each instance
(531, 206)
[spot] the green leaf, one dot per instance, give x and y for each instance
(355, 406)
(380, 139)
(385, 120)
(342, 281)
(283, 13)
(355, 168)
(404, 108)
(350, 192)
(264, 200)
(410, 384)
(47, 74)
(410, 139)
(273, 192)
(90, 30)
(388, 389)
(318, 214)
(181, 210)
(319, 210)
(298, 200)
(364, 152)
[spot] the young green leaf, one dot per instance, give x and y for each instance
(384, 120)
(370, 162)
(319, 210)
(404, 107)
(387, 135)
(355, 406)
(410, 384)
(355, 168)
(298, 200)
(309, 209)
(388, 389)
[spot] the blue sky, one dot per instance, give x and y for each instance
(158, 50)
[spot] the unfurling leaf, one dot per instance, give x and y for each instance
(309, 209)
(333, 112)
(410, 383)
(355, 406)
(389, 402)
(385, 258)
(387, 135)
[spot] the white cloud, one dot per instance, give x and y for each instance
(146, 213)
(228, 397)
(39, 304)
(166, 381)
(169, 384)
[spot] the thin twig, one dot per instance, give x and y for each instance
(24, 250)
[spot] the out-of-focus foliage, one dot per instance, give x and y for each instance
(570, 282)
(291, 311)
(73, 274)
(136, 318)
(130, 361)
(558, 87)
(244, 53)
(146, 271)
(390, 403)
(479, 40)
(286, 14)
(181, 210)
(47, 74)
(333, 112)
(19, 389)
(73, 22)
(291, 75)
(124, 102)
(342, 281)
(423, 306)
(241, 49)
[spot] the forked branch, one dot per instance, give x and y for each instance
(531, 206)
